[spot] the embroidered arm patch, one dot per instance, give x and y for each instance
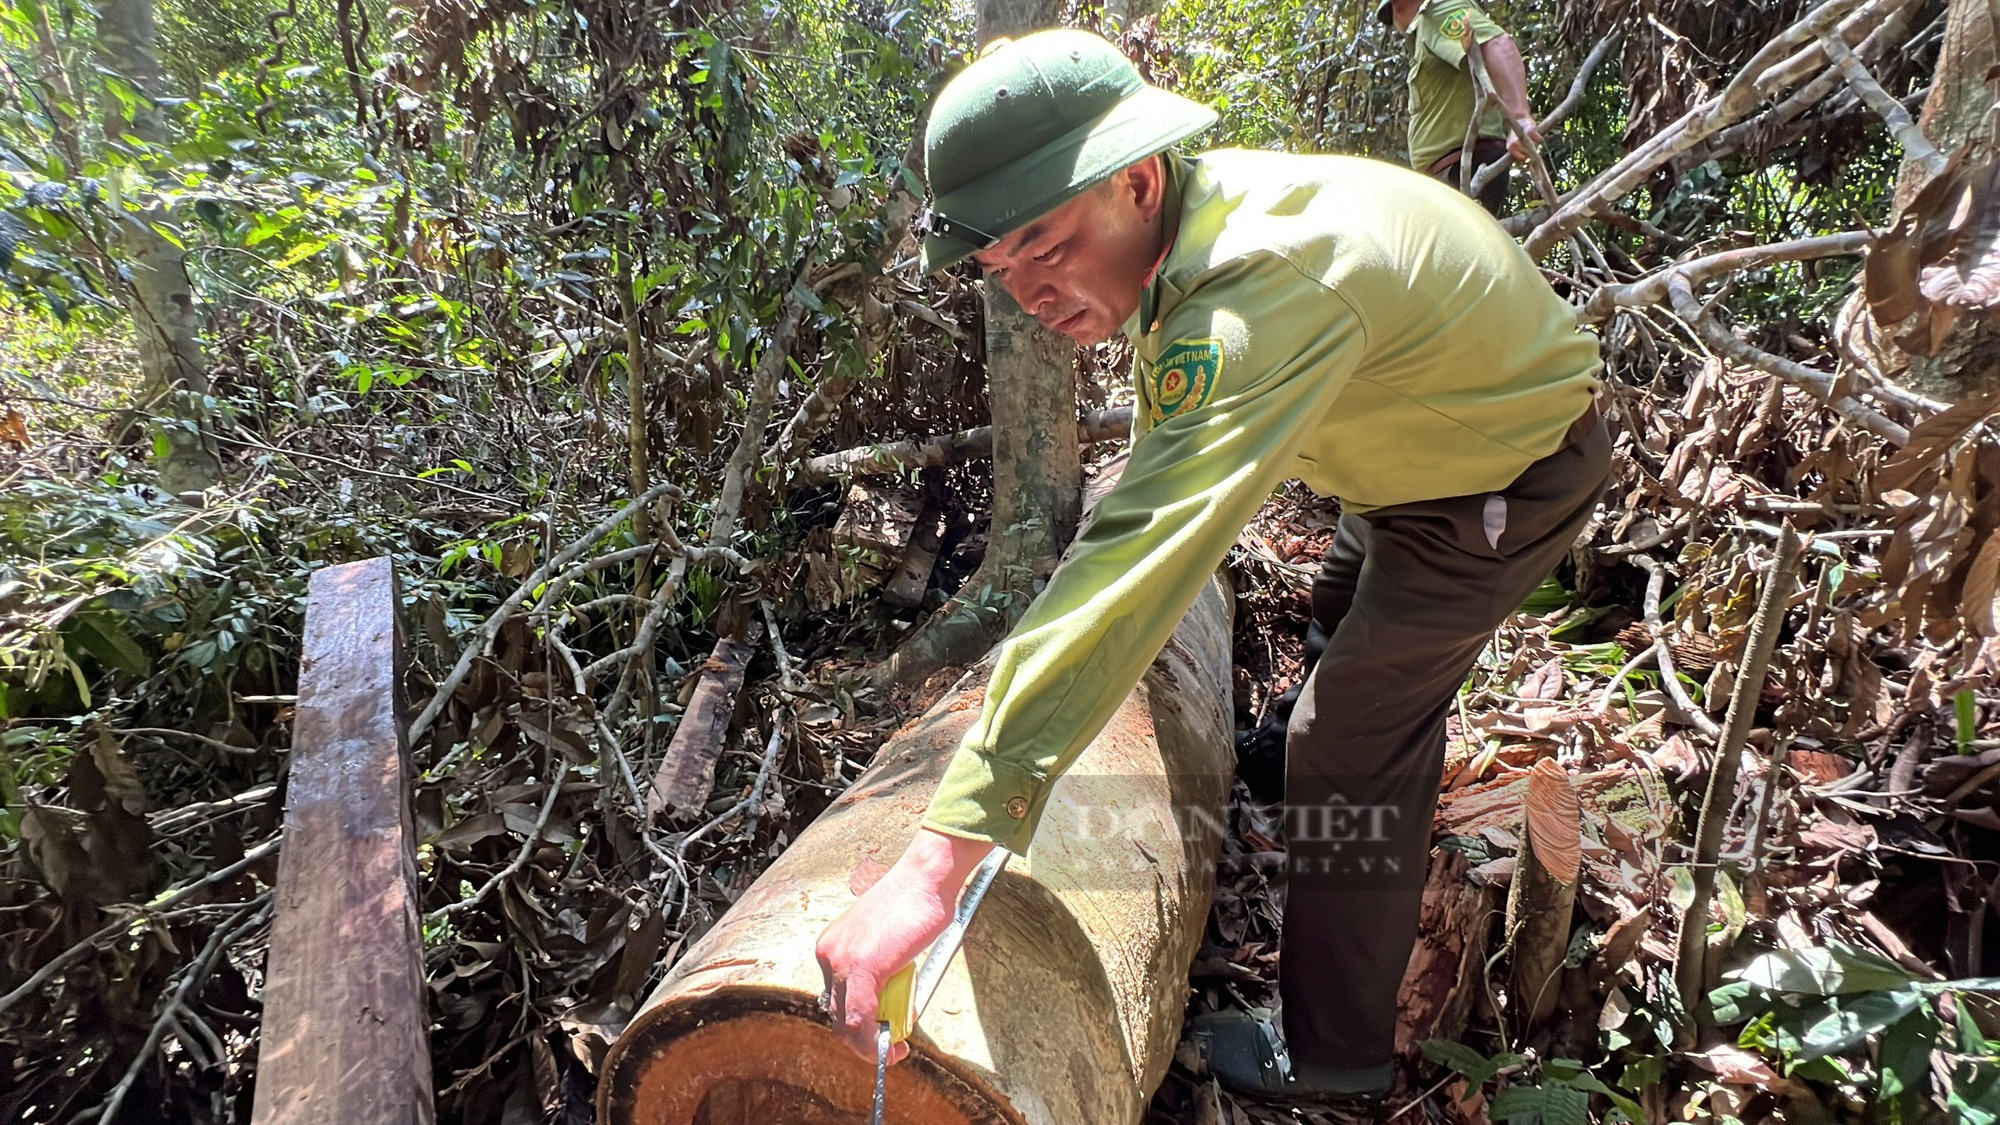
(1184, 378)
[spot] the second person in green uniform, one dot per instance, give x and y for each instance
(1442, 95)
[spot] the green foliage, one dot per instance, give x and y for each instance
(1807, 1006)
(1558, 1094)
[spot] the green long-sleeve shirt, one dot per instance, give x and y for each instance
(1343, 321)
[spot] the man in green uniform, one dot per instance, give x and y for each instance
(1338, 320)
(1442, 95)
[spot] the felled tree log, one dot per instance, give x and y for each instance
(1065, 1003)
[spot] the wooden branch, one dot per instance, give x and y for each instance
(817, 410)
(520, 859)
(346, 1005)
(1562, 110)
(1663, 652)
(1098, 425)
(1807, 96)
(642, 643)
(1690, 971)
(1758, 79)
(483, 638)
(687, 773)
(1816, 383)
(763, 393)
(1915, 145)
(1652, 289)
(124, 923)
(193, 976)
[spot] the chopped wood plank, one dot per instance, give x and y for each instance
(688, 772)
(345, 1004)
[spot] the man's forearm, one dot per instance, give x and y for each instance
(1509, 76)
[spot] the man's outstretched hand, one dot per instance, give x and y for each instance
(887, 928)
(1523, 127)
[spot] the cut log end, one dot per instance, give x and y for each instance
(765, 1059)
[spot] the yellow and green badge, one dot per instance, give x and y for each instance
(1453, 26)
(1184, 377)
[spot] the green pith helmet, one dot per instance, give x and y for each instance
(1030, 126)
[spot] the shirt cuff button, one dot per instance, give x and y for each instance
(1017, 807)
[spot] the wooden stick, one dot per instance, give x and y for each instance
(346, 1006)
(1562, 110)
(1915, 145)
(1760, 77)
(491, 627)
(1691, 969)
(1652, 289)
(763, 393)
(1819, 384)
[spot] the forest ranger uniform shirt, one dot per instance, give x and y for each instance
(1343, 321)
(1441, 90)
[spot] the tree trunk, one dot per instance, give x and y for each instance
(1064, 1004)
(157, 294)
(1031, 383)
(1037, 468)
(1954, 113)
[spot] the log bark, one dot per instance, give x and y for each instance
(345, 1005)
(166, 324)
(1447, 967)
(687, 773)
(1065, 1003)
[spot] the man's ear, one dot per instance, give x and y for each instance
(1147, 181)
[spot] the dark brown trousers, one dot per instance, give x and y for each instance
(1405, 599)
(1494, 197)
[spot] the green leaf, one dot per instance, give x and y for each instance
(1518, 1103)
(1550, 1105)
(1906, 1055)
(1837, 970)
(1590, 1082)
(1735, 1002)
(1565, 1106)
(111, 645)
(1975, 1097)
(300, 253)
(1641, 1073)
(1838, 1024)
(1681, 896)
(1971, 1041)
(1476, 1068)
